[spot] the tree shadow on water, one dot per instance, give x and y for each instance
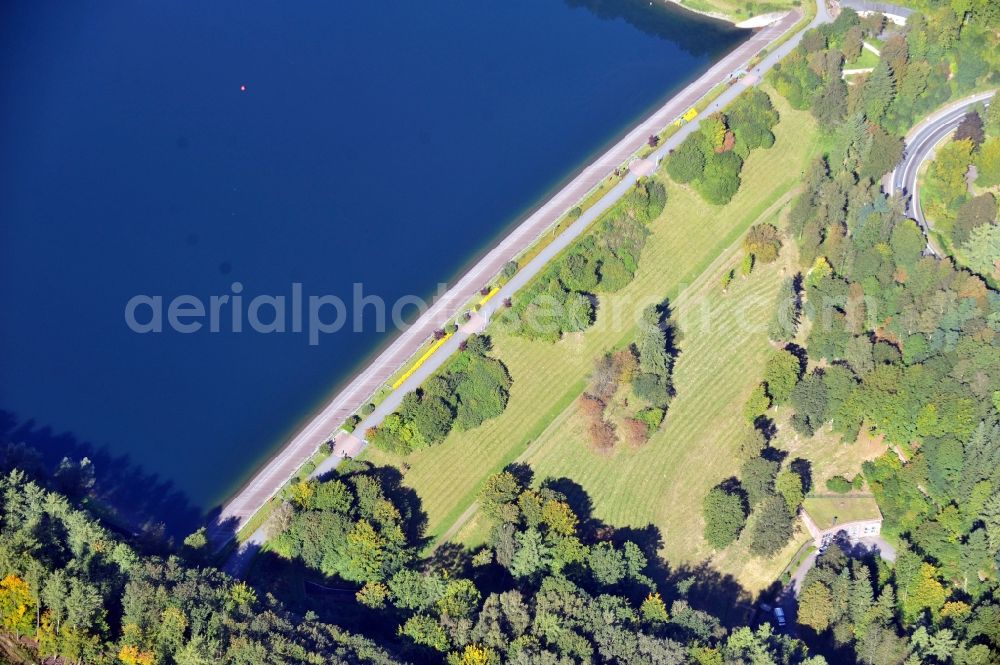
(664, 21)
(142, 501)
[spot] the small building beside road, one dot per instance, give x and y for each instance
(856, 515)
(895, 13)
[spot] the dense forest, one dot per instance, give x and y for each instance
(895, 342)
(873, 336)
(552, 586)
(70, 587)
(965, 217)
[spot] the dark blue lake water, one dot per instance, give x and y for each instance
(387, 143)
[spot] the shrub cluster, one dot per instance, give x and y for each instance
(472, 388)
(712, 157)
(646, 367)
(561, 299)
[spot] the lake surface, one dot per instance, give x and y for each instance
(386, 143)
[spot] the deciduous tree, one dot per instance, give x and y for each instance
(725, 514)
(781, 373)
(815, 606)
(763, 241)
(988, 163)
(757, 477)
(772, 527)
(788, 484)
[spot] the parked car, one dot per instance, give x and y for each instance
(779, 614)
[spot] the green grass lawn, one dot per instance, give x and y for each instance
(828, 455)
(723, 348)
(863, 61)
(828, 511)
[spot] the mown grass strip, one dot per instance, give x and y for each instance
(540, 426)
(681, 260)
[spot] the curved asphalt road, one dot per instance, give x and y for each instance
(239, 561)
(920, 144)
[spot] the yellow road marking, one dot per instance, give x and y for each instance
(434, 347)
(485, 299)
(437, 344)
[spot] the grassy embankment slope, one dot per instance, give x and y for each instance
(737, 10)
(721, 359)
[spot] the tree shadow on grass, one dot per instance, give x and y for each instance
(413, 516)
(578, 500)
(522, 472)
(700, 586)
(803, 468)
(774, 454)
